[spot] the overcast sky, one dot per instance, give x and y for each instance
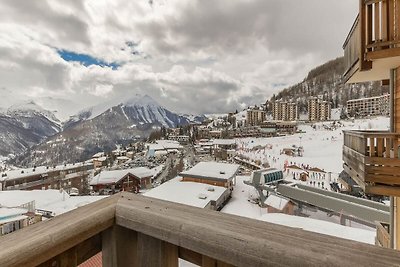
(193, 56)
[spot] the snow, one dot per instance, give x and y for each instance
(50, 200)
(224, 142)
(188, 193)
(17, 173)
(29, 107)
(322, 147)
(111, 177)
(6, 212)
(240, 205)
(213, 170)
(276, 202)
(322, 227)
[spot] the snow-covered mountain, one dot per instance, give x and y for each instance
(138, 109)
(102, 127)
(25, 125)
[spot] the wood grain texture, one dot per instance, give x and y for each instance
(241, 241)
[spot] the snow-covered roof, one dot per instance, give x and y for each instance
(112, 177)
(224, 142)
(50, 200)
(189, 193)
(165, 145)
(98, 155)
(100, 159)
(212, 170)
(6, 212)
(276, 202)
(20, 173)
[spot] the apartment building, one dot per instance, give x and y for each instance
(370, 106)
(284, 111)
(255, 117)
(318, 110)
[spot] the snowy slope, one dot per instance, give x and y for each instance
(25, 125)
(137, 109)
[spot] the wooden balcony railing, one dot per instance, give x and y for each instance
(371, 158)
(132, 230)
(375, 34)
(382, 235)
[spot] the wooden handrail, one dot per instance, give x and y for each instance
(136, 228)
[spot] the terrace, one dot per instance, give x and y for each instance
(133, 230)
(371, 158)
(374, 38)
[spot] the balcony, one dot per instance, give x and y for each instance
(372, 46)
(382, 235)
(371, 158)
(132, 230)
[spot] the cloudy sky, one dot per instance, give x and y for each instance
(194, 56)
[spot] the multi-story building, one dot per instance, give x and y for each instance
(370, 106)
(255, 117)
(318, 110)
(371, 158)
(284, 111)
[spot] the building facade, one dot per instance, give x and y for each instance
(255, 117)
(370, 106)
(285, 111)
(318, 110)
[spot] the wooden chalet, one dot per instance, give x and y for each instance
(130, 180)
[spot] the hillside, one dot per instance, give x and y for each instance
(25, 125)
(102, 128)
(326, 80)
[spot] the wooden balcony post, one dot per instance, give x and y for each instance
(155, 252)
(119, 247)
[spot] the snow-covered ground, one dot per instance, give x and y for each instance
(322, 147)
(239, 205)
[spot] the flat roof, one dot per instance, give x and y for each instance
(17, 173)
(224, 141)
(188, 193)
(213, 170)
(51, 200)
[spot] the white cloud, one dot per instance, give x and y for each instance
(192, 56)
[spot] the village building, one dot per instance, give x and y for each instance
(45, 177)
(279, 204)
(212, 173)
(369, 106)
(255, 117)
(163, 147)
(284, 111)
(191, 193)
(181, 139)
(132, 180)
(318, 110)
(100, 162)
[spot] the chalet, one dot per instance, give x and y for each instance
(100, 162)
(212, 173)
(296, 172)
(123, 180)
(191, 193)
(279, 204)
